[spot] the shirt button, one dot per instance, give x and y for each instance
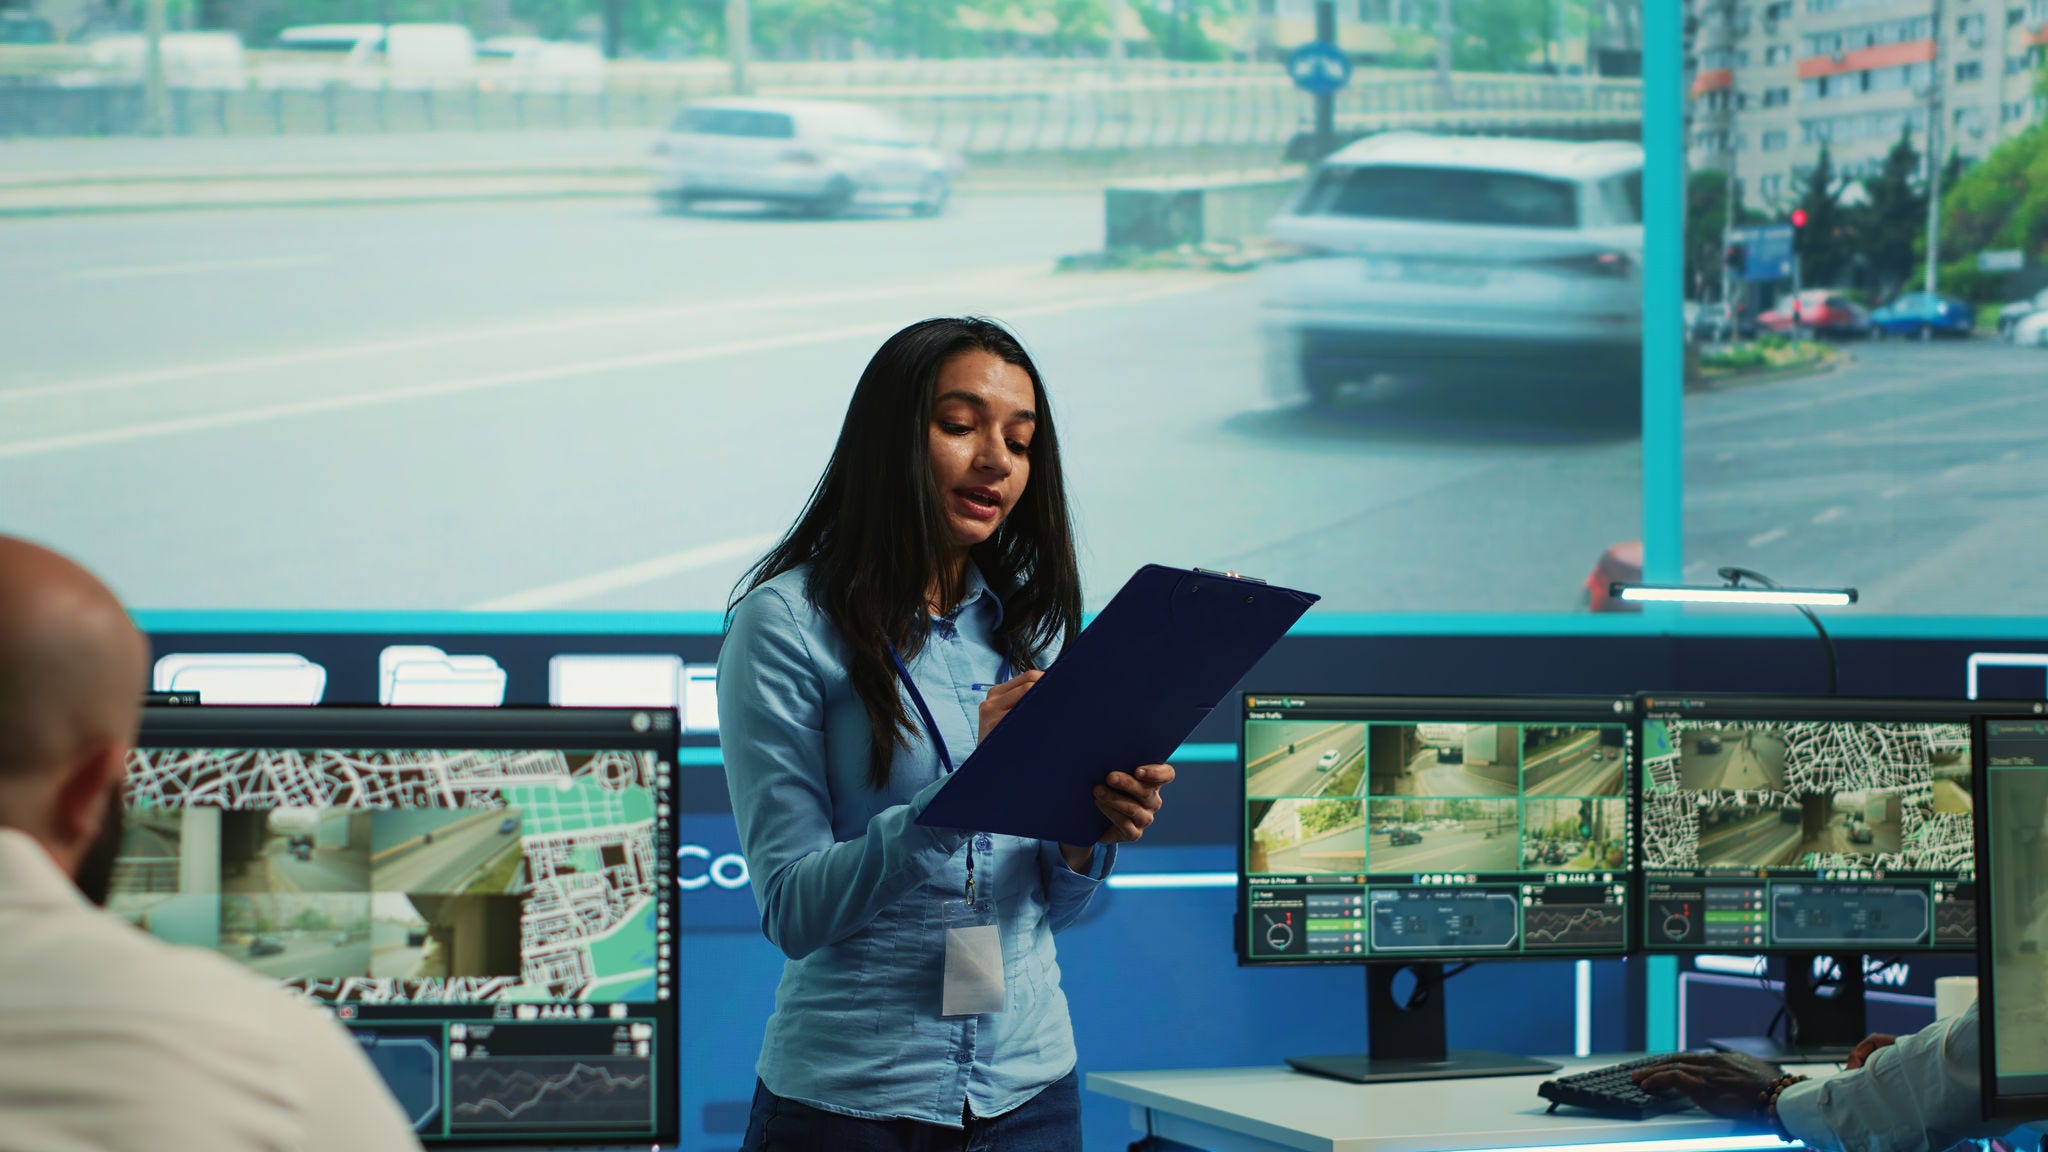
(964, 1058)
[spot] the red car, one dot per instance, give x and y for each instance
(1623, 563)
(1821, 312)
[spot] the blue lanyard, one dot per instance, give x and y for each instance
(931, 727)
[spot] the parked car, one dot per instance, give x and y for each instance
(1821, 312)
(1327, 760)
(2032, 330)
(265, 946)
(300, 847)
(2010, 316)
(1923, 312)
(508, 825)
(1619, 564)
(1860, 834)
(1403, 836)
(1707, 745)
(1721, 323)
(820, 156)
(1448, 260)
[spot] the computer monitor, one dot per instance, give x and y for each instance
(484, 897)
(1819, 829)
(1402, 833)
(2012, 961)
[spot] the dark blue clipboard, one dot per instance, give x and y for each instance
(1127, 691)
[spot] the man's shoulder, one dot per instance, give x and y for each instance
(99, 964)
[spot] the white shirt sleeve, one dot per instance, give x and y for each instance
(347, 1106)
(1919, 1095)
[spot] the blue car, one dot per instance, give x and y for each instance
(1918, 312)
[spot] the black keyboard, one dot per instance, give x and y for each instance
(1610, 1092)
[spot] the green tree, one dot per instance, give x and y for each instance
(1706, 221)
(1823, 243)
(2000, 202)
(1079, 25)
(1177, 28)
(1890, 226)
(1320, 816)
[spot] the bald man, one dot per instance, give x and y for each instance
(109, 1038)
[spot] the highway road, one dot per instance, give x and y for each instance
(275, 869)
(1299, 774)
(311, 956)
(452, 861)
(1568, 768)
(1338, 850)
(1457, 850)
(1952, 795)
(1760, 841)
(586, 405)
(1901, 474)
(1428, 777)
(1748, 761)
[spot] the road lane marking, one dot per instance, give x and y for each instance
(150, 430)
(628, 575)
(195, 268)
(1834, 513)
(528, 327)
(1763, 538)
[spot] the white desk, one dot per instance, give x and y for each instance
(1276, 1109)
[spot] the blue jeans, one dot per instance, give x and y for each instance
(1048, 1122)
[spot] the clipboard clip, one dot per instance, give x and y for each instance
(1228, 575)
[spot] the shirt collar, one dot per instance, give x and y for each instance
(978, 589)
(29, 877)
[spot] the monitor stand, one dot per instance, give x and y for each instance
(1822, 1028)
(1408, 1039)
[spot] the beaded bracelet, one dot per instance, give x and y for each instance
(1767, 1100)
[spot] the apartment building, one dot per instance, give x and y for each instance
(1771, 81)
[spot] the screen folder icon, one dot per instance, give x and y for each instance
(422, 675)
(650, 680)
(242, 677)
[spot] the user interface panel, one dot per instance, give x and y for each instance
(1807, 825)
(2015, 1017)
(1380, 828)
(482, 896)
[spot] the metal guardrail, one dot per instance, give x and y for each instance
(1164, 110)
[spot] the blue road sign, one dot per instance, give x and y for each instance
(1319, 67)
(1767, 252)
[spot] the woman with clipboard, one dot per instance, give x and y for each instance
(903, 615)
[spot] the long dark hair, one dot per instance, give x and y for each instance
(874, 533)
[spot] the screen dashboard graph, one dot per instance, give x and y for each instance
(482, 896)
(1380, 828)
(1807, 825)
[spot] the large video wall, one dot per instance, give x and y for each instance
(1460, 376)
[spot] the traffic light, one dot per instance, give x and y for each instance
(1735, 257)
(1799, 218)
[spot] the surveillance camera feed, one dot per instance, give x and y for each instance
(2016, 792)
(1433, 828)
(1807, 825)
(482, 896)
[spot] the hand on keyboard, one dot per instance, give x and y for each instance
(1725, 1083)
(1654, 1085)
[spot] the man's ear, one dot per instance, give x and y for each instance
(82, 797)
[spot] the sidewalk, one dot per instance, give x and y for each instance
(49, 177)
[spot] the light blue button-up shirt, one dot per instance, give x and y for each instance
(850, 886)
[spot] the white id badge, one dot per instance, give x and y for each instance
(974, 958)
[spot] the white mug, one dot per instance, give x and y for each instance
(1952, 994)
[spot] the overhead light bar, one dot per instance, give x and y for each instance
(1692, 594)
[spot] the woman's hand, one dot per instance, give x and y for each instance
(1003, 697)
(1131, 801)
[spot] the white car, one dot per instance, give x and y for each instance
(2032, 330)
(821, 156)
(1327, 761)
(2009, 317)
(1411, 258)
